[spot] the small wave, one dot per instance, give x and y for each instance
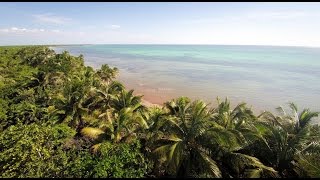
(158, 89)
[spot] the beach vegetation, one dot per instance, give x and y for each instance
(61, 118)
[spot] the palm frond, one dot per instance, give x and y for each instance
(172, 137)
(306, 116)
(163, 152)
(281, 110)
(92, 133)
(293, 107)
(241, 162)
(211, 165)
(95, 148)
(308, 166)
(311, 148)
(253, 173)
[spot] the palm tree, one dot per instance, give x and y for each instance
(289, 138)
(233, 130)
(35, 56)
(69, 105)
(190, 143)
(106, 73)
(101, 97)
(118, 127)
(240, 121)
(310, 166)
(177, 139)
(121, 121)
(126, 99)
(126, 104)
(192, 133)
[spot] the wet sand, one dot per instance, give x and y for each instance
(158, 96)
(151, 97)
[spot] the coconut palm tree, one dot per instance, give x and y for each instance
(120, 122)
(101, 97)
(126, 99)
(106, 73)
(118, 127)
(240, 121)
(68, 106)
(177, 143)
(190, 143)
(290, 136)
(231, 131)
(310, 166)
(35, 56)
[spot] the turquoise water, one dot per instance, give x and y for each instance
(263, 76)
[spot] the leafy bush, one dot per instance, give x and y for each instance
(33, 150)
(120, 160)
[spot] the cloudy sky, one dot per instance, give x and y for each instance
(293, 24)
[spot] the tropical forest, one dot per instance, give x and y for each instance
(62, 119)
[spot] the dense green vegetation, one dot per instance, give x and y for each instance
(60, 118)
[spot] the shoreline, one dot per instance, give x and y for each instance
(154, 94)
(149, 104)
(148, 100)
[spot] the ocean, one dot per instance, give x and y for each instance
(264, 77)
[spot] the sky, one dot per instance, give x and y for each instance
(236, 23)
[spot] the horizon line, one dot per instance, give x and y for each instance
(75, 44)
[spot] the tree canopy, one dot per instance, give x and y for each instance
(61, 118)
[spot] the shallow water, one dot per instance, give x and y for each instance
(263, 76)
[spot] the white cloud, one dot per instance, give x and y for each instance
(26, 30)
(50, 18)
(114, 26)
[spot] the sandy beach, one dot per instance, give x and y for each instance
(150, 99)
(149, 104)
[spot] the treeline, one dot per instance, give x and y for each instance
(60, 118)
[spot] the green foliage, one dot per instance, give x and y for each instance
(33, 150)
(3, 110)
(60, 118)
(308, 166)
(290, 138)
(106, 73)
(79, 165)
(120, 160)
